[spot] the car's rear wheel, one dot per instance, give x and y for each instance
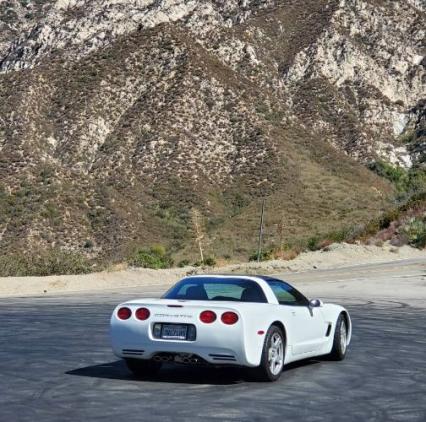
(340, 342)
(142, 368)
(273, 353)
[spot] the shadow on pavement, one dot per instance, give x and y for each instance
(181, 374)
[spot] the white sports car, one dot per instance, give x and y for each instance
(257, 322)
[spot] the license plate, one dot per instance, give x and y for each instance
(175, 332)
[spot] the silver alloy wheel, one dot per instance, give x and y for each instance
(276, 354)
(343, 337)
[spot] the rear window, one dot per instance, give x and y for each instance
(216, 288)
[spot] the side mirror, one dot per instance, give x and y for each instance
(315, 303)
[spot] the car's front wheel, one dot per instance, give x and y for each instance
(340, 341)
(273, 353)
(142, 368)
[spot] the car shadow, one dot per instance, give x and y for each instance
(178, 374)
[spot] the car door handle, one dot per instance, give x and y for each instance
(293, 313)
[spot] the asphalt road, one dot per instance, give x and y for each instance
(56, 364)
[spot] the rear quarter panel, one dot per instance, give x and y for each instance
(258, 318)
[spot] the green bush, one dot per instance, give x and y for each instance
(265, 255)
(416, 201)
(183, 263)
(417, 180)
(155, 257)
(409, 181)
(50, 262)
(342, 235)
(416, 232)
(397, 175)
(313, 243)
(209, 261)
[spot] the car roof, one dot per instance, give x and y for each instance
(249, 276)
(269, 278)
(223, 275)
(260, 280)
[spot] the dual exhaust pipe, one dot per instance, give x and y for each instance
(163, 358)
(191, 360)
(177, 358)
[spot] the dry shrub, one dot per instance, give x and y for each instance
(287, 255)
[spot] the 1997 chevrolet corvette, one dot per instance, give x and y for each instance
(257, 322)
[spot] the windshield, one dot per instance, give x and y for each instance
(217, 288)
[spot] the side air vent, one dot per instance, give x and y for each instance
(227, 358)
(133, 352)
(328, 330)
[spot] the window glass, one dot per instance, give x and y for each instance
(218, 289)
(232, 291)
(285, 294)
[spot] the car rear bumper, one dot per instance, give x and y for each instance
(178, 351)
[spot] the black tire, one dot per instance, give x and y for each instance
(263, 372)
(338, 352)
(142, 368)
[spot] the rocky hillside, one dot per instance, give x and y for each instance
(119, 118)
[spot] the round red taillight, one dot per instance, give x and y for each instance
(229, 318)
(208, 317)
(142, 314)
(124, 313)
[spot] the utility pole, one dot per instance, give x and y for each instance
(196, 217)
(280, 230)
(259, 247)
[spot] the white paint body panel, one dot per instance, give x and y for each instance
(305, 328)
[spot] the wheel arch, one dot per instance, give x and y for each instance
(348, 322)
(281, 326)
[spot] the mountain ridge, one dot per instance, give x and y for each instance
(105, 145)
